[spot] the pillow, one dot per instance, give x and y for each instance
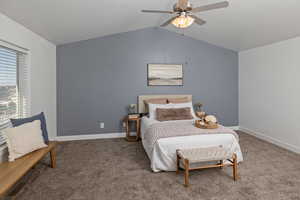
(41, 117)
(24, 139)
(163, 114)
(153, 107)
(154, 101)
(178, 100)
(184, 105)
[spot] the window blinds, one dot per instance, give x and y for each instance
(23, 83)
(9, 99)
(14, 87)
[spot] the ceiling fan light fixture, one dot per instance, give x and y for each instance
(183, 21)
(186, 13)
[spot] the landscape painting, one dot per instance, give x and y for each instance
(165, 75)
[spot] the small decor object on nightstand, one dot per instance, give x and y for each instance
(198, 109)
(200, 114)
(198, 106)
(127, 120)
(207, 122)
(205, 125)
(132, 109)
(210, 118)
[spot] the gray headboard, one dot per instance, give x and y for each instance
(142, 98)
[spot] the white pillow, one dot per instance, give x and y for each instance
(152, 109)
(185, 105)
(24, 139)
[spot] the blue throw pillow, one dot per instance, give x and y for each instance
(41, 117)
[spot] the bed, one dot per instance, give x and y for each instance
(161, 139)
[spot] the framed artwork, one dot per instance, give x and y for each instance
(165, 75)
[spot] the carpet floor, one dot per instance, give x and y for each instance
(113, 169)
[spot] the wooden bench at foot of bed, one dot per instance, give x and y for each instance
(11, 172)
(186, 157)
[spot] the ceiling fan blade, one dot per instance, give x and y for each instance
(183, 4)
(168, 22)
(158, 11)
(198, 20)
(223, 4)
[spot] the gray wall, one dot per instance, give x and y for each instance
(98, 78)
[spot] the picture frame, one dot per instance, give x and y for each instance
(165, 75)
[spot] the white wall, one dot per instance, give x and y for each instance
(269, 92)
(43, 68)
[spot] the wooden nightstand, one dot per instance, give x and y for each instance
(127, 122)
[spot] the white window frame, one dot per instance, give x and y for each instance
(23, 52)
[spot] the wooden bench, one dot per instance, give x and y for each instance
(187, 157)
(11, 172)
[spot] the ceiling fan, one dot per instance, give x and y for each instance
(185, 13)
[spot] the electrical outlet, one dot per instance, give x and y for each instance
(101, 124)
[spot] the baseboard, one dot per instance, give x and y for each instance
(235, 128)
(90, 137)
(272, 140)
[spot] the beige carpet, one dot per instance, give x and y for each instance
(115, 169)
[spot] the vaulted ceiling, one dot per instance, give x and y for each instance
(244, 24)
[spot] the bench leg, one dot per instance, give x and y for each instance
(177, 162)
(186, 172)
(234, 167)
(53, 158)
(221, 163)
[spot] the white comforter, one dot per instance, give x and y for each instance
(163, 155)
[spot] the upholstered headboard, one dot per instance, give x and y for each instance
(142, 98)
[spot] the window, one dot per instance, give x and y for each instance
(9, 97)
(13, 86)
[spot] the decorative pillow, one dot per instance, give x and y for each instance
(24, 139)
(178, 100)
(153, 107)
(154, 101)
(184, 105)
(41, 117)
(168, 114)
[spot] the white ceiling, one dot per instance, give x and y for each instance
(244, 24)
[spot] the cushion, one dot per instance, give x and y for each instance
(41, 117)
(24, 139)
(153, 107)
(154, 101)
(184, 105)
(167, 114)
(178, 100)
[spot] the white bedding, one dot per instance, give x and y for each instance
(163, 156)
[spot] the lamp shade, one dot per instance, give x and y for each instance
(183, 21)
